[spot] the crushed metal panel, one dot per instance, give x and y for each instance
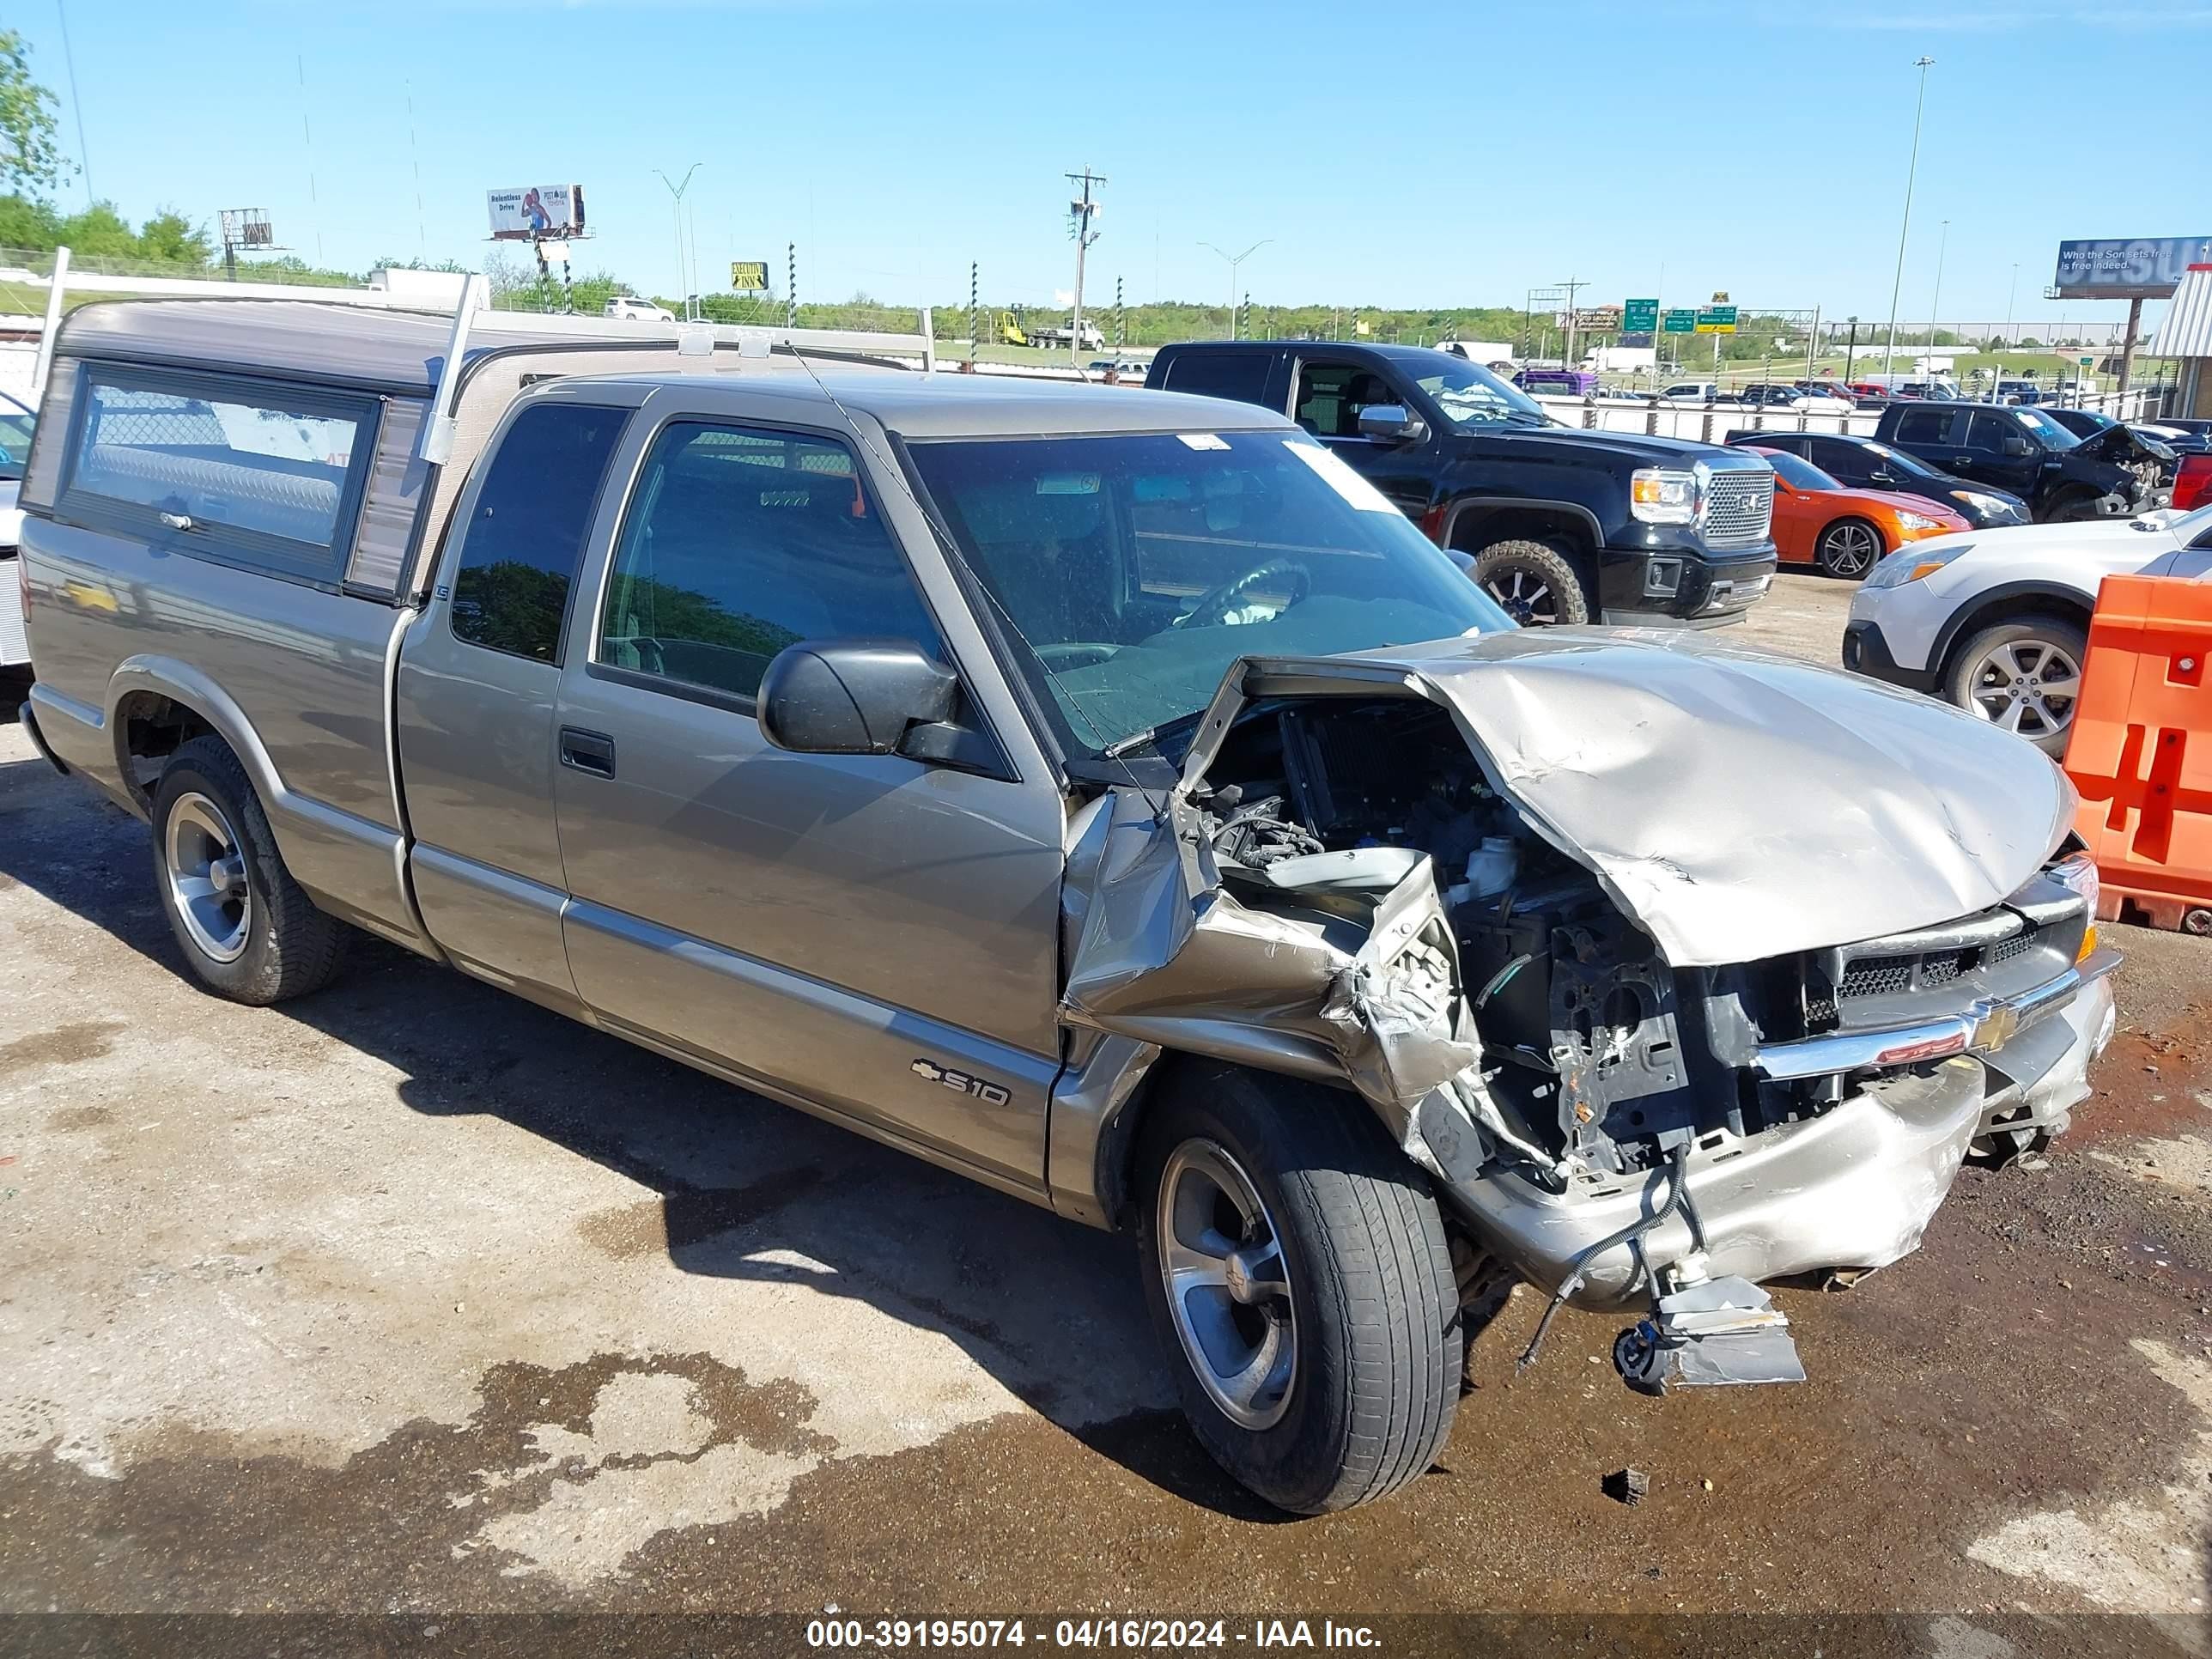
(1737, 805)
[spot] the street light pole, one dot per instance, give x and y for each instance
(1897, 284)
(1235, 260)
(676, 191)
(1936, 301)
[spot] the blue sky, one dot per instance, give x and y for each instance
(1413, 154)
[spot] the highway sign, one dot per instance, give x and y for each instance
(1639, 316)
(1717, 319)
(1684, 321)
(2086, 361)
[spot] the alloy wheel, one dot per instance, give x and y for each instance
(1525, 597)
(1228, 1290)
(1853, 550)
(206, 869)
(2027, 686)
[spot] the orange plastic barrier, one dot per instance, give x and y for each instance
(2140, 750)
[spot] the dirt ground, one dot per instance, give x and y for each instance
(411, 1298)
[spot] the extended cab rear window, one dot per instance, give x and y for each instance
(250, 472)
(1241, 376)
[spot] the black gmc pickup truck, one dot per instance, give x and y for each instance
(1559, 524)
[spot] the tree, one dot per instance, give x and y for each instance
(29, 159)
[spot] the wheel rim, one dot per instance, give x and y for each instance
(1851, 550)
(1228, 1290)
(2027, 686)
(207, 877)
(1525, 596)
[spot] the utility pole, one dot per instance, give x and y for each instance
(791, 285)
(975, 323)
(676, 191)
(1080, 212)
(1567, 352)
(1120, 319)
(1897, 283)
(1235, 260)
(1851, 350)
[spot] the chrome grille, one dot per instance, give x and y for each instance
(1739, 508)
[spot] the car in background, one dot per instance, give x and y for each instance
(2192, 482)
(1860, 463)
(1698, 392)
(18, 422)
(1834, 390)
(2028, 454)
(1558, 382)
(1867, 391)
(1760, 394)
(2028, 392)
(629, 308)
(1126, 371)
(1843, 531)
(1998, 623)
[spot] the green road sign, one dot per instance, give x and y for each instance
(1639, 316)
(2086, 361)
(1679, 322)
(1717, 319)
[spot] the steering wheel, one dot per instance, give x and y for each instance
(1217, 603)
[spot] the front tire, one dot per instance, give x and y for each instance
(1848, 549)
(1299, 1276)
(245, 926)
(1535, 583)
(2025, 676)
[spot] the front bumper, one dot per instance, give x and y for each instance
(1680, 586)
(1866, 651)
(1851, 1188)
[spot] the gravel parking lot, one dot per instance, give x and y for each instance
(410, 1296)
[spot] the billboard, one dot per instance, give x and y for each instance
(748, 275)
(2141, 268)
(530, 211)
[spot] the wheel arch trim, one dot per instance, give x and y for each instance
(1466, 507)
(1972, 618)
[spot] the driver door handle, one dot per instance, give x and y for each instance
(588, 751)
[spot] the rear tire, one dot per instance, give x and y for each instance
(1535, 583)
(1319, 1366)
(1848, 549)
(245, 926)
(2011, 675)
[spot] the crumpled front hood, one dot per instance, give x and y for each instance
(1738, 805)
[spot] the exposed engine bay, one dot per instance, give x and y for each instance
(1520, 967)
(1593, 1048)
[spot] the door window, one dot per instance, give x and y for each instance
(1331, 396)
(1924, 426)
(526, 534)
(1990, 432)
(1241, 376)
(739, 541)
(1843, 461)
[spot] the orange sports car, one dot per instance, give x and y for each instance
(1845, 530)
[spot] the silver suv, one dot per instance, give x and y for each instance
(1109, 796)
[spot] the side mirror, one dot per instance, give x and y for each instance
(1392, 423)
(854, 697)
(1882, 476)
(2016, 445)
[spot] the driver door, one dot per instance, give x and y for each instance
(855, 932)
(1331, 394)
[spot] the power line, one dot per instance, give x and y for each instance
(76, 104)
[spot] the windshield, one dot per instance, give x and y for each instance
(1471, 398)
(2053, 433)
(16, 428)
(1135, 569)
(1798, 472)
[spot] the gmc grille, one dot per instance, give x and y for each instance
(1739, 508)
